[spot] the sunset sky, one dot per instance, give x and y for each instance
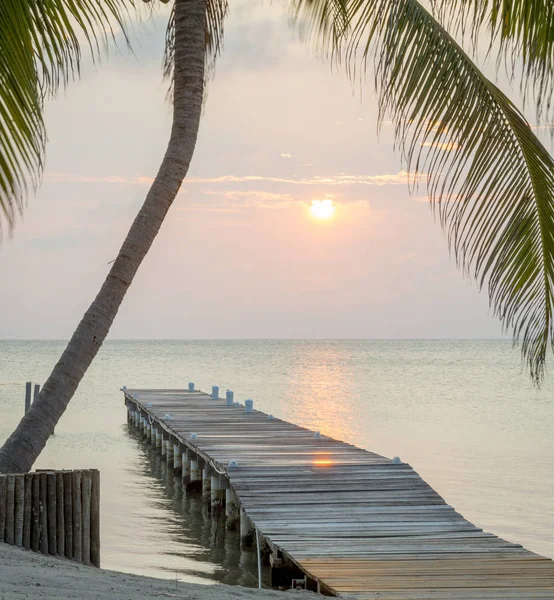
(240, 254)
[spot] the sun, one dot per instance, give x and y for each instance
(322, 209)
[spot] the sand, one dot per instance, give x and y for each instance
(24, 574)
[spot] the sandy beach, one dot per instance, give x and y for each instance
(32, 576)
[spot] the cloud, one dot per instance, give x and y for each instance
(286, 155)
(399, 178)
(113, 179)
(342, 179)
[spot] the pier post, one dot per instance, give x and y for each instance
(177, 458)
(19, 497)
(207, 484)
(215, 392)
(185, 466)
(159, 438)
(231, 509)
(246, 529)
(217, 493)
(248, 406)
(165, 440)
(60, 517)
(169, 451)
(27, 502)
(195, 483)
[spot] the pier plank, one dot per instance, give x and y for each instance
(363, 527)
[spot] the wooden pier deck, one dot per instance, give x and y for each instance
(357, 524)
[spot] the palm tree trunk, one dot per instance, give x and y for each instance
(29, 438)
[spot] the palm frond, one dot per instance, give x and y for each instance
(490, 180)
(523, 30)
(40, 49)
(321, 22)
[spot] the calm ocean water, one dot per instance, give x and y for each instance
(462, 413)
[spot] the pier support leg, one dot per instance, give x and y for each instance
(185, 462)
(246, 529)
(159, 438)
(231, 510)
(169, 451)
(207, 485)
(194, 486)
(217, 494)
(165, 441)
(177, 458)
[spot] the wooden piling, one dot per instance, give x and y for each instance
(176, 458)
(27, 506)
(10, 505)
(231, 509)
(217, 493)
(2, 508)
(28, 386)
(68, 513)
(77, 515)
(19, 503)
(43, 515)
(169, 452)
(185, 466)
(52, 513)
(95, 519)
(194, 484)
(163, 448)
(36, 391)
(246, 529)
(207, 484)
(159, 438)
(86, 489)
(60, 515)
(35, 514)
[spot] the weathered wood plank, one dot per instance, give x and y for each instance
(359, 524)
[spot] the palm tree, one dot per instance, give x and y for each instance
(187, 37)
(489, 178)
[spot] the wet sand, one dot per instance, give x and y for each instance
(25, 575)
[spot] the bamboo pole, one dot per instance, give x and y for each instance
(95, 519)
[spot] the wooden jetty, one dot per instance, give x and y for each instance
(349, 522)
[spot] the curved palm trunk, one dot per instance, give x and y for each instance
(26, 443)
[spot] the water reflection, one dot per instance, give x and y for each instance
(319, 397)
(196, 539)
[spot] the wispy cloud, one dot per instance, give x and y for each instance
(399, 178)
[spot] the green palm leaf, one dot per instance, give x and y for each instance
(489, 178)
(40, 49)
(522, 29)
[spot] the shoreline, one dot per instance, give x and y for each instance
(30, 576)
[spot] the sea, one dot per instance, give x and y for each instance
(463, 414)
